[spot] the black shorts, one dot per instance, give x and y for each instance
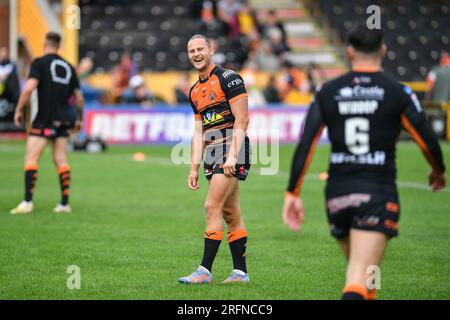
(372, 211)
(52, 131)
(216, 156)
(241, 170)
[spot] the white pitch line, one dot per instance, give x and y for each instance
(281, 174)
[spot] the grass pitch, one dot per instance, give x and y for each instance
(136, 229)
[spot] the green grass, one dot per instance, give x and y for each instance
(136, 228)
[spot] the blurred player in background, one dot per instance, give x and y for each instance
(220, 104)
(364, 111)
(56, 82)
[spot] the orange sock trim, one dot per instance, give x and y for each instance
(372, 294)
(63, 169)
(236, 235)
(30, 167)
(357, 288)
(214, 235)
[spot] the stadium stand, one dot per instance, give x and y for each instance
(157, 31)
(413, 30)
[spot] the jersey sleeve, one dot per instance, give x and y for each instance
(309, 137)
(233, 86)
(197, 115)
(35, 70)
(415, 123)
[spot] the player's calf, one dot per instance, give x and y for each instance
(64, 182)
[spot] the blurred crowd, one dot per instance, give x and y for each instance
(243, 42)
(255, 45)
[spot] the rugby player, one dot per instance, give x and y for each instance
(364, 111)
(56, 82)
(220, 105)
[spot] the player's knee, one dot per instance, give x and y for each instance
(212, 209)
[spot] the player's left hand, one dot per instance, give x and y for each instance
(78, 126)
(229, 168)
(437, 181)
(293, 212)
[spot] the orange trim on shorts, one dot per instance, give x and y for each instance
(63, 169)
(392, 206)
(242, 95)
(35, 131)
(236, 235)
(357, 288)
(214, 235)
(198, 116)
(30, 167)
(372, 294)
(391, 224)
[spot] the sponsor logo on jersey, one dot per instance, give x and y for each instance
(235, 82)
(212, 117)
(353, 200)
(346, 92)
(370, 221)
(373, 92)
(407, 90)
(228, 73)
(416, 102)
(359, 80)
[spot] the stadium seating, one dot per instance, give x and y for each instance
(414, 30)
(155, 32)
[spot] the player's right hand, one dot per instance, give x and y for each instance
(18, 115)
(293, 212)
(193, 180)
(437, 181)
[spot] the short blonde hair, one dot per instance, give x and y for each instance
(200, 36)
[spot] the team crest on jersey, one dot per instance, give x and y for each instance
(212, 117)
(212, 96)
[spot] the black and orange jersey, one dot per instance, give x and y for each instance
(364, 113)
(57, 82)
(210, 100)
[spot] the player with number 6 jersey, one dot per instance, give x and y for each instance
(364, 111)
